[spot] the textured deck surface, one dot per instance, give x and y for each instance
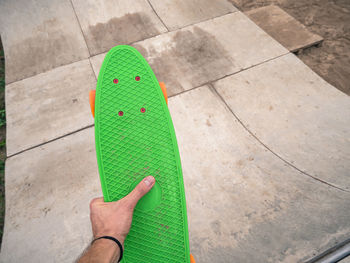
(135, 138)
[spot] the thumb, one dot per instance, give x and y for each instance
(140, 190)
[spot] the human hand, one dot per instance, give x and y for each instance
(114, 218)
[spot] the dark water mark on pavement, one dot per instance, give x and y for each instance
(47, 48)
(120, 30)
(195, 55)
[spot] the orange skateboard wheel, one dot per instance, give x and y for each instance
(92, 94)
(162, 86)
(192, 259)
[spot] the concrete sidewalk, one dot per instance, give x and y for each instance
(264, 141)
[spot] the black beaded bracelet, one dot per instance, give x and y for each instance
(116, 241)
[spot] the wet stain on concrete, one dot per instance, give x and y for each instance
(202, 54)
(164, 67)
(47, 48)
(194, 54)
(120, 30)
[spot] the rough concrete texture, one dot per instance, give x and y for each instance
(48, 190)
(107, 23)
(39, 35)
(345, 260)
(296, 114)
(207, 51)
(180, 13)
(244, 203)
(48, 105)
(265, 152)
(284, 28)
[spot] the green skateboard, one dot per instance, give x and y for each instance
(134, 138)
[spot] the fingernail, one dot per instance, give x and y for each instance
(149, 180)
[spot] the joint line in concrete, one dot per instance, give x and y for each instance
(270, 150)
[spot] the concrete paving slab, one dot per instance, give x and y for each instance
(180, 13)
(107, 23)
(244, 203)
(284, 28)
(296, 114)
(48, 105)
(39, 35)
(48, 190)
(207, 51)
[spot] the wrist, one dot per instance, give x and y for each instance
(109, 249)
(117, 254)
(120, 238)
(101, 251)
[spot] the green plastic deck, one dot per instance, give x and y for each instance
(135, 138)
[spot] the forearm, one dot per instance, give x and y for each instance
(101, 251)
